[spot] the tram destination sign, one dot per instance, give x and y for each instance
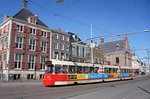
(48, 63)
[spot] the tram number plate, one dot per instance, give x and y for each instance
(72, 77)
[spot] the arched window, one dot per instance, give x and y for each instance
(117, 60)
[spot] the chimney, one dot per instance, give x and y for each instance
(25, 4)
(6, 18)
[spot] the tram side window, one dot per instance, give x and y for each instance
(49, 69)
(65, 69)
(110, 70)
(115, 70)
(125, 70)
(91, 69)
(96, 69)
(57, 68)
(131, 71)
(121, 70)
(79, 69)
(85, 69)
(72, 69)
(106, 70)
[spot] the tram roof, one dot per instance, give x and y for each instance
(127, 67)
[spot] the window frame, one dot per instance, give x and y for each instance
(31, 61)
(19, 43)
(18, 60)
(32, 44)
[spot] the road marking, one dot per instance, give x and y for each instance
(130, 95)
(144, 89)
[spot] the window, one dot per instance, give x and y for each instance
(67, 47)
(44, 33)
(67, 38)
(77, 50)
(61, 46)
(32, 20)
(31, 61)
(32, 44)
(83, 51)
(32, 31)
(56, 55)
(64, 69)
(57, 68)
(55, 45)
(20, 28)
(43, 59)
(67, 57)
(43, 46)
(18, 60)
(55, 36)
(4, 58)
(117, 60)
(62, 56)
(85, 69)
(19, 41)
(5, 42)
(0, 57)
(72, 69)
(73, 50)
(61, 37)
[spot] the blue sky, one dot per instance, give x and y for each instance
(106, 16)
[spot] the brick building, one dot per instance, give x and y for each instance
(24, 45)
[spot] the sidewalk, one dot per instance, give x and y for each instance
(20, 83)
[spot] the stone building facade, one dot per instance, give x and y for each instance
(117, 52)
(78, 49)
(60, 45)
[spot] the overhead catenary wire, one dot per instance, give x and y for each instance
(57, 14)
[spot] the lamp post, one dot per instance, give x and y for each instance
(148, 60)
(1, 72)
(35, 72)
(102, 66)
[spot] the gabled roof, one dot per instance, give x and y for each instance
(75, 38)
(59, 31)
(112, 46)
(24, 14)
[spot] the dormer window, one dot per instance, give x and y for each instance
(32, 19)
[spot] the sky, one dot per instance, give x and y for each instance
(106, 17)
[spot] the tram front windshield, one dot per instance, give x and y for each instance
(49, 69)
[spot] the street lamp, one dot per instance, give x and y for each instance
(59, 1)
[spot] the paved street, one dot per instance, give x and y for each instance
(129, 89)
(137, 90)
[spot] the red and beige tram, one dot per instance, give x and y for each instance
(66, 72)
